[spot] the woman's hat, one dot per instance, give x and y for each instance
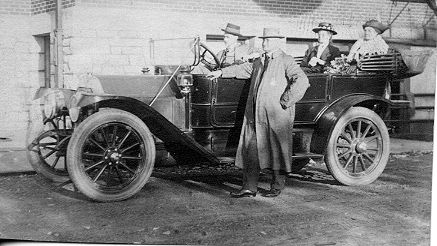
(232, 29)
(271, 33)
(325, 26)
(378, 26)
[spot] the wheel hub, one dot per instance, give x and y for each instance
(361, 147)
(113, 156)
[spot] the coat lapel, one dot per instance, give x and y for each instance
(326, 53)
(313, 52)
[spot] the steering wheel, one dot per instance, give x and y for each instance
(208, 58)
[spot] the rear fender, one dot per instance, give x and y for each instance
(183, 147)
(327, 119)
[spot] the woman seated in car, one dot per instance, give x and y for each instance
(323, 52)
(371, 44)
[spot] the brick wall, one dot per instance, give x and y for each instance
(347, 13)
(43, 6)
(15, 7)
(117, 42)
(27, 7)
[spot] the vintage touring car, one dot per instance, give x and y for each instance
(107, 136)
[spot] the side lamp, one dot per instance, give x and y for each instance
(185, 80)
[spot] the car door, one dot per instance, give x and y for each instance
(315, 98)
(228, 101)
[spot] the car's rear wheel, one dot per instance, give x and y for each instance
(111, 155)
(358, 147)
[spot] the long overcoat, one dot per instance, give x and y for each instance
(266, 135)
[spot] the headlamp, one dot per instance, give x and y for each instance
(73, 108)
(54, 101)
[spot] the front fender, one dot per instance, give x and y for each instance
(43, 91)
(87, 99)
(183, 147)
(327, 119)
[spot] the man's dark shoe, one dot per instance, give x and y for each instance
(272, 193)
(243, 193)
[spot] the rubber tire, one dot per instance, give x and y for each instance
(331, 156)
(36, 128)
(76, 167)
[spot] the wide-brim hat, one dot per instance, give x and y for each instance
(271, 33)
(326, 27)
(232, 29)
(378, 26)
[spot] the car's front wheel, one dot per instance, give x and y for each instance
(111, 155)
(358, 147)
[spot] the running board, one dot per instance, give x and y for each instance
(227, 159)
(307, 155)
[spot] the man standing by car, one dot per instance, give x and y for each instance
(277, 83)
(323, 52)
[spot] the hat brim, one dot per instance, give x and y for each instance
(380, 28)
(246, 37)
(317, 29)
(272, 37)
(231, 32)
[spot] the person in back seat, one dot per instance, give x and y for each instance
(323, 52)
(371, 44)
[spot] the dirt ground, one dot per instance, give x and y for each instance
(194, 207)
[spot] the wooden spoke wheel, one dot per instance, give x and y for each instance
(111, 155)
(358, 147)
(47, 150)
